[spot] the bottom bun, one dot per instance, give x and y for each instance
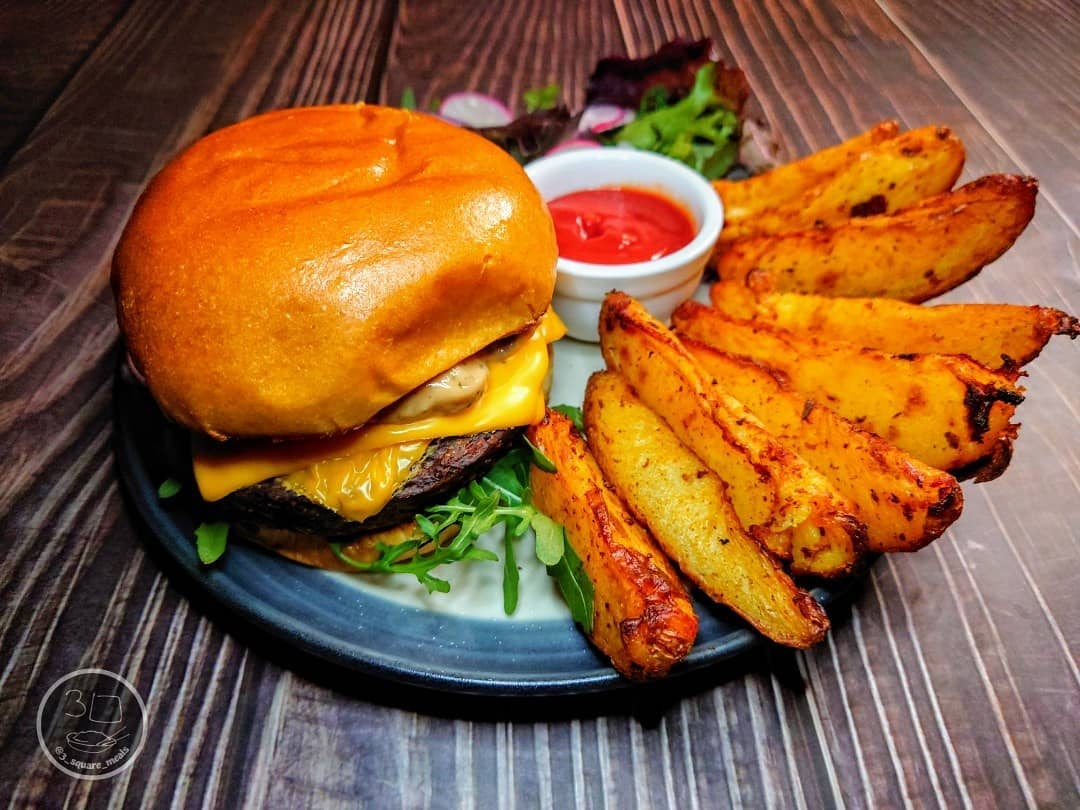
(316, 552)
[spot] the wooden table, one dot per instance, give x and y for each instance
(953, 682)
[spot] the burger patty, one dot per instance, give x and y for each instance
(446, 466)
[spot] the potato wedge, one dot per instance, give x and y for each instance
(687, 509)
(946, 410)
(780, 499)
(886, 176)
(913, 255)
(643, 619)
(762, 193)
(904, 503)
(996, 335)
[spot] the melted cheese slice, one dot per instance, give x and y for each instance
(359, 485)
(514, 396)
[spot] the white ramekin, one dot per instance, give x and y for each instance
(660, 284)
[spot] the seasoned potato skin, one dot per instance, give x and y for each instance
(643, 619)
(687, 509)
(999, 336)
(904, 503)
(889, 174)
(779, 498)
(945, 410)
(913, 255)
(784, 185)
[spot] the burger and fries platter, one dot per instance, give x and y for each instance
(364, 367)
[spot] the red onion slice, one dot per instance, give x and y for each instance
(475, 110)
(603, 117)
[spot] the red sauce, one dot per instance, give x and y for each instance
(619, 225)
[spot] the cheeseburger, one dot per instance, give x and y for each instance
(347, 307)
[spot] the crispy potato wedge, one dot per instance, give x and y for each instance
(904, 503)
(888, 175)
(687, 509)
(946, 410)
(913, 255)
(996, 335)
(765, 192)
(643, 619)
(780, 499)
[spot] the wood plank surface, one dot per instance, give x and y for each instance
(952, 683)
(438, 49)
(43, 43)
(1015, 85)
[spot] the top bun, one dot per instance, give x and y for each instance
(294, 274)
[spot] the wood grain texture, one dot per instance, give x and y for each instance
(441, 48)
(29, 80)
(1013, 84)
(954, 681)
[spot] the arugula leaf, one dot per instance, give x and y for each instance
(510, 476)
(542, 98)
(539, 459)
(408, 99)
(447, 533)
(699, 130)
(573, 413)
(550, 539)
(510, 575)
(168, 488)
(210, 541)
(576, 587)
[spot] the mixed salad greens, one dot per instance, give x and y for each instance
(697, 130)
(677, 102)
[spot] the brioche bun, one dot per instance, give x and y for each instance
(316, 552)
(294, 274)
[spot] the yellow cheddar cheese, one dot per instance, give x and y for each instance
(359, 485)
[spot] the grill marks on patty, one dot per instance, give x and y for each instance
(447, 466)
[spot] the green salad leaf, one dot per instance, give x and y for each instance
(575, 586)
(510, 575)
(698, 130)
(550, 539)
(448, 533)
(542, 98)
(539, 459)
(573, 413)
(169, 487)
(210, 541)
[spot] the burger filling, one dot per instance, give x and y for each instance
(450, 393)
(356, 474)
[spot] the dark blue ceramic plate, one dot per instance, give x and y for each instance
(357, 627)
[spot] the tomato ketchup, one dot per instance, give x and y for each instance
(619, 225)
